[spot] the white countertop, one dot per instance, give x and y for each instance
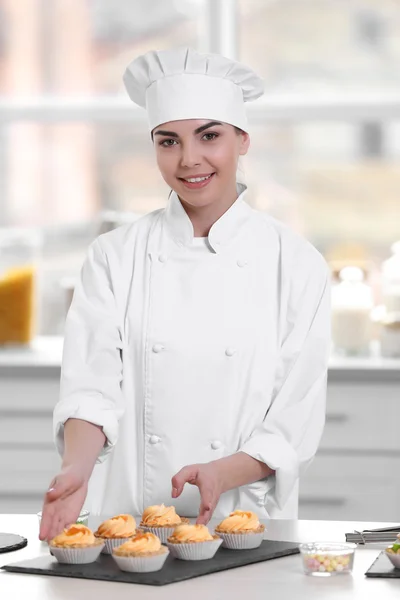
(46, 352)
(281, 578)
(42, 352)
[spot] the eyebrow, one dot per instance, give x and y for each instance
(196, 131)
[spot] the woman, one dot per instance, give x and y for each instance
(197, 342)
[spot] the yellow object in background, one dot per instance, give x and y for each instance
(17, 305)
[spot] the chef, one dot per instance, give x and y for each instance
(196, 346)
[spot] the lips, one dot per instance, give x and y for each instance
(199, 176)
(198, 184)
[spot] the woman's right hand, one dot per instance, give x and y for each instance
(63, 502)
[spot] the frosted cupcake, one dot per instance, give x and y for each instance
(193, 542)
(116, 531)
(241, 531)
(76, 545)
(161, 520)
(141, 554)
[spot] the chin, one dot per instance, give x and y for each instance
(196, 202)
(199, 198)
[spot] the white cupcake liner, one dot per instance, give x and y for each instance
(141, 564)
(241, 541)
(195, 551)
(77, 556)
(111, 543)
(163, 533)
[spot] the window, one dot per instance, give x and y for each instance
(332, 78)
(317, 46)
(76, 156)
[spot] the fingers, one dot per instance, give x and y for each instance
(186, 475)
(204, 518)
(70, 516)
(46, 522)
(49, 509)
(55, 518)
(209, 493)
(56, 527)
(52, 522)
(207, 506)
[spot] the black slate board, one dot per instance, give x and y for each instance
(382, 567)
(11, 541)
(173, 570)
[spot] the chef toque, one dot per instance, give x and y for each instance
(181, 83)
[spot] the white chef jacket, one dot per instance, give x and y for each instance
(187, 351)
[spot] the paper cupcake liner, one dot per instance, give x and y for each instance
(77, 556)
(162, 533)
(141, 564)
(194, 551)
(241, 541)
(111, 543)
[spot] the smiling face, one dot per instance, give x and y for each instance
(201, 150)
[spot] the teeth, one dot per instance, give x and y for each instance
(198, 179)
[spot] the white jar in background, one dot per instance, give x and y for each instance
(390, 335)
(391, 280)
(352, 302)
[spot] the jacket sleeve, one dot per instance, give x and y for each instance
(91, 372)
(288, 438)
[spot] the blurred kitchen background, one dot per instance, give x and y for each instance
(77, 160)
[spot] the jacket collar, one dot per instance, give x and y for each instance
(221, 232)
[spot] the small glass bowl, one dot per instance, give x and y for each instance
(393, 557)
(323, 559)
(83, 518)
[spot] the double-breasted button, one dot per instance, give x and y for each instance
(154, 439)
(216, 444)
(158, 348)
(162, 258)
(241, 263)
(230, 351)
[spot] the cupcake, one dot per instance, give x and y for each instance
(193, 542)
(241, 531)
(161, 520)
(141, 554)
(116, 531)
(76, 545)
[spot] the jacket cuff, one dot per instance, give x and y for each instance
(92, 413)
(275, 452)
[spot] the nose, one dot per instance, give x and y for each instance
(189, 156)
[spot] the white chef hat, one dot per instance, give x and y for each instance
(183, 84)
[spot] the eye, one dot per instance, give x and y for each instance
(166, 144)
(210, 139)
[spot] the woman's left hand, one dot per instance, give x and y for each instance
(207, 478)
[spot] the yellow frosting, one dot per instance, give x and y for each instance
(240, 520)
(191, 533)
(118, 527)
(74, 535)
(142, 543)
(160, 515)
